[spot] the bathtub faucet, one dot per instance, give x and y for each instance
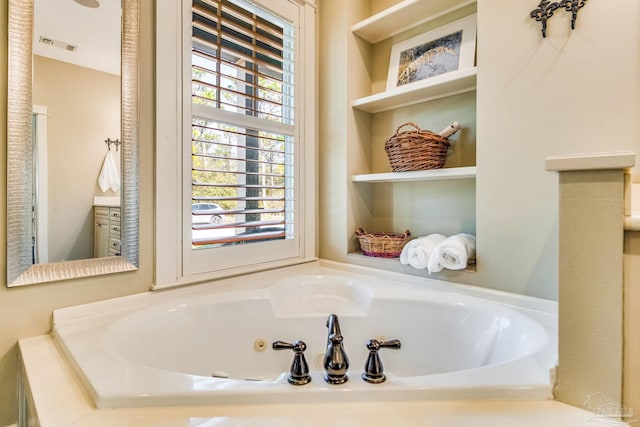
(373, 369)
(299, 371)
(336, 362)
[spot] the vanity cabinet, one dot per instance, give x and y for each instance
(428, 201)
(106, 236)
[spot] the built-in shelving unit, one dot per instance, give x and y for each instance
(424, 175)
(403, 16)
(444, 85)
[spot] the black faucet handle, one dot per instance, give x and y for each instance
(375, 345)
(373, 369)
(299, 371)
(297, 346)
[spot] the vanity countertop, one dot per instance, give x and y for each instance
(109, 201)
(632, 207)
(632, 222)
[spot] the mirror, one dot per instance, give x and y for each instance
(25, 181)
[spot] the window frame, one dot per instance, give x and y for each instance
(174, 263)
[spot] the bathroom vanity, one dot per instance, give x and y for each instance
(106, 227)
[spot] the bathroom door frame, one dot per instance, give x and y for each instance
(41, 188)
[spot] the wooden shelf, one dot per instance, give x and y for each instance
(468, 172)
(441, 86)
(403, 16)
(468, 275)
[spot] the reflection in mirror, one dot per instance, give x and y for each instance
(76, 81)
(72, 140)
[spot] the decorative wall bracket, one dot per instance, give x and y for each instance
(573, 6)
(545, 11)
(110, 141)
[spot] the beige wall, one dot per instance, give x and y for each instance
(332, 109)
(380, 5)
(26, 311)
(83, 108)
(572, 92)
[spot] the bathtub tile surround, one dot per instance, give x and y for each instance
(61, 398)
(61, 402)
(591, 231)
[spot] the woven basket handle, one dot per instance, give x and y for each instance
(408, 124)
(361, 232)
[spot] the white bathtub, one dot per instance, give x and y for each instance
(171, 347)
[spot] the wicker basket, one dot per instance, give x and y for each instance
(416, 149)
(384, 245)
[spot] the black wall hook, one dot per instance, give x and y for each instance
(573, 6)
(543, 13)
(110, 141)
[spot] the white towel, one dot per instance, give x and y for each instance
(453, 254)
(109, 177)
(416, 253)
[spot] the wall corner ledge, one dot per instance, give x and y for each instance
(590, 161)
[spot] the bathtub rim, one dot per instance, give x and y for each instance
(139, 300)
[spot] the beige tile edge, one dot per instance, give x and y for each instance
(61, 402)
(58, 397)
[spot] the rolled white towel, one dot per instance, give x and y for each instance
(416, 253)
(453, 254)
(404, 255)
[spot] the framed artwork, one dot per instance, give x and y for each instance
(448, 48)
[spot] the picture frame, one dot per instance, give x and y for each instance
(450, 47)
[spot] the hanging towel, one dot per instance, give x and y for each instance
(453, 254)
(416, 253)
(109, 177)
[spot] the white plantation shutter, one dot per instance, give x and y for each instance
(243, 130)
(236, 135)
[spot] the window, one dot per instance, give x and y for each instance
(243, 123)
(247, 134)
